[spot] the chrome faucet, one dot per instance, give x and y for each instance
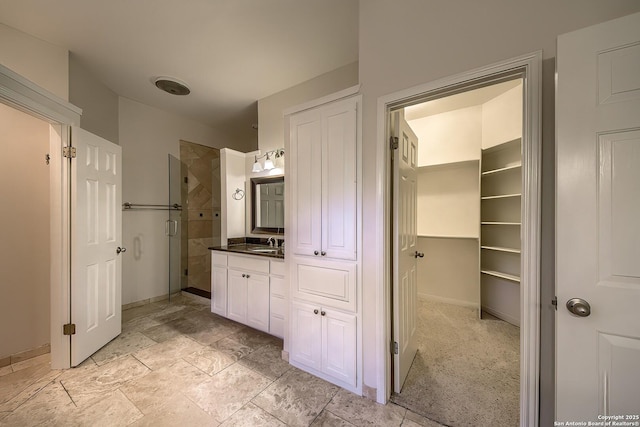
(273, 242)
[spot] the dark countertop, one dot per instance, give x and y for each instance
(250, 249)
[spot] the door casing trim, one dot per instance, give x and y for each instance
(530, 68)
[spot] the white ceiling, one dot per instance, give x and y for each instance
(230, 52)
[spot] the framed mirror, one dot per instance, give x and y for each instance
(267, 205)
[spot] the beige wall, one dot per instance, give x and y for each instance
(24, 215)
(449, 271)
(502, 118)
(439, 38)
(44, 64)
(270, 120)
(99, 103)
(147, 136)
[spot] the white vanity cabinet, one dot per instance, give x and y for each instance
(249, 289)
(248, 298)
(323, 238)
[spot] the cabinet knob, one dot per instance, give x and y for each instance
(244, 275)
(322, 313)
(315, 311)
(323, 253)
(248, 276)
(315, 252)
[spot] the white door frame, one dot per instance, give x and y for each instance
(529, 67)
(22, 94)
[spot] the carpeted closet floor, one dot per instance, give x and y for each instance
(466, 371)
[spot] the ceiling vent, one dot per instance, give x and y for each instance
(172, 86)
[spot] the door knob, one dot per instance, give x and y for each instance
(419, 254)
(579, 307)
(119, 249)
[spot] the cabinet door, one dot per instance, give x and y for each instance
(237, 296)
(339, 180)
(306, 335)
(305, 155)
(219, 291)
(339, 345)
(258, 301)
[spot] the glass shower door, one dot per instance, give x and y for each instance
(174, 228)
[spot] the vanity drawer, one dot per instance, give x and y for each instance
(277, 268)
(249, 263)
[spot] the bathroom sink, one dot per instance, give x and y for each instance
(264, 250)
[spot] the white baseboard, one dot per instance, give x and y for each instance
(451, 301)
(503, 316)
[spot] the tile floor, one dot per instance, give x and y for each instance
(177, 364)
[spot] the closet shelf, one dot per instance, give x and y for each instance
(501, 275)
(439, 236)
(499, 223)
(501, 249)
(499, 170)
(501, 196)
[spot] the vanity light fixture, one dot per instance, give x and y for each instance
(268, 163)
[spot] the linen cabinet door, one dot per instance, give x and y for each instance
(339, 180)
(306, 335)
(306, 182)
(339, 345)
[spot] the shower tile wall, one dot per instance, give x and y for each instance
(201, 212)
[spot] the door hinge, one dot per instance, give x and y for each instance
(554, 302)
(394, 142)
(69, 329)
(69, 152)
(394, 347)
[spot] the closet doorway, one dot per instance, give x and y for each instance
(25, 330)
(455, 312)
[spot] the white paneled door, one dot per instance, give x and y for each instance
(405, 254)
(598, 222)
(96, 236)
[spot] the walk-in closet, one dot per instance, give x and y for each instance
(468, 224)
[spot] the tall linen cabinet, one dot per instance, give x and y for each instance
(323, 241)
